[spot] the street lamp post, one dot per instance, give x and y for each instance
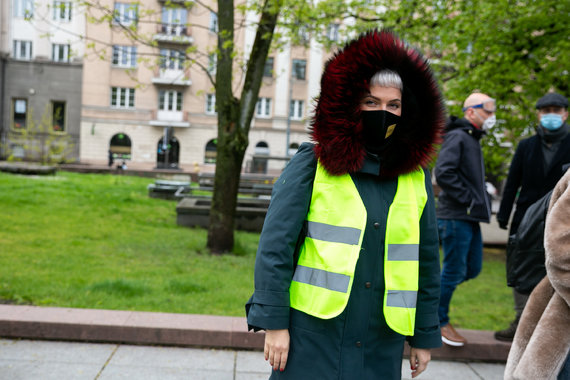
(165, 146)
(291, 78)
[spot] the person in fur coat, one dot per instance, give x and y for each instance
(330, 245)
(541, 346)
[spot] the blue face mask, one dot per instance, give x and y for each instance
(551, 121)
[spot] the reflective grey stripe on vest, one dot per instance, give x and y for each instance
(403, 252)
(402, 298)
(321, 278)
(333, 234)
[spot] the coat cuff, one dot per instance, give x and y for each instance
(270, 297)
(425, 337)
(264, 317)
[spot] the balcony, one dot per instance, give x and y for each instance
(162, 118)
(172, 77)
(173, 33)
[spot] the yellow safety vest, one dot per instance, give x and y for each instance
(336, 222)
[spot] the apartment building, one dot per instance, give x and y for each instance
(146, 104)
(40, 79)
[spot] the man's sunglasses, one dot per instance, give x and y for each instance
(488, 106)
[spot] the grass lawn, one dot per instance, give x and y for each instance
(99, 241)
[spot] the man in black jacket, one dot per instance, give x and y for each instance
(462, 203)
(535, 170)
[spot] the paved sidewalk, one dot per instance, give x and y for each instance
(47, 360)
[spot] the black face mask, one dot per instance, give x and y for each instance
(377, 127)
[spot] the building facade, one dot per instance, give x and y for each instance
(40, 80)
(78, 90)
(147, 104)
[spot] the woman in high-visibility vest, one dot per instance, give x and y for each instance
(347, 267)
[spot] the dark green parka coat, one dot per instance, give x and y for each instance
(357, 344)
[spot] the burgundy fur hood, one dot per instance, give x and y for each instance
(336, 127)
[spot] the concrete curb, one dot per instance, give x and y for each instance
(149, 328)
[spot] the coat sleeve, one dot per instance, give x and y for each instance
(447, 169)
(268, 307)
(514, 179)
(427, 333)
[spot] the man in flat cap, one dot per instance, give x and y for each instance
(536, 168)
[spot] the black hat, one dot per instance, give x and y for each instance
(552, 99)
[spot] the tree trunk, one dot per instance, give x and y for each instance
(230, 152)
(234, 118)
(222, 212)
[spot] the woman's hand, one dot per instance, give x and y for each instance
(419, 359)
(276, 348)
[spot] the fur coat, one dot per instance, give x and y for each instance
(542, 341)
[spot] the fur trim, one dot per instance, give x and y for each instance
(336, 127)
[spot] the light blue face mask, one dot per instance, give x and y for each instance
(551, 121)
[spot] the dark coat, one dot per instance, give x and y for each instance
(357, 344)
(525, 252)
(460, 173)
(527, 173)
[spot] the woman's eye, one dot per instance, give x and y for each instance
(394, 106)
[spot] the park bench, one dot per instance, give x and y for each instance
(249, 184)
(171, 190)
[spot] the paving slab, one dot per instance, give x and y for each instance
(58, 352)
(161, 373)
(32, 370)
(174, 357)
(252, 362)
(445, 370)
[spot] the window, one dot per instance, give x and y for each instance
(263, 108)
(211, 104)
(172, 59)
(174, 21)
(296, 109)
(170, 100)
(58, 116)
(124, 56)
(120, 146)
(125, 14)
(20, 113)
(23, 50)
(211, 152)
(299, 66)
(24, 8)
(293, 147)
(122, 97)
(213, 22)
(61, 10)
(332, 32)
(303, 35)
(212, 62)
(268, 70)
(60, 53)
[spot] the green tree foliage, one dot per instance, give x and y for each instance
(515, 51)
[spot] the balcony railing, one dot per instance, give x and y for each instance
(173, 33)
(162, 118)
(174, 77)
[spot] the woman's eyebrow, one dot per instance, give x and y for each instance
(375, 98)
